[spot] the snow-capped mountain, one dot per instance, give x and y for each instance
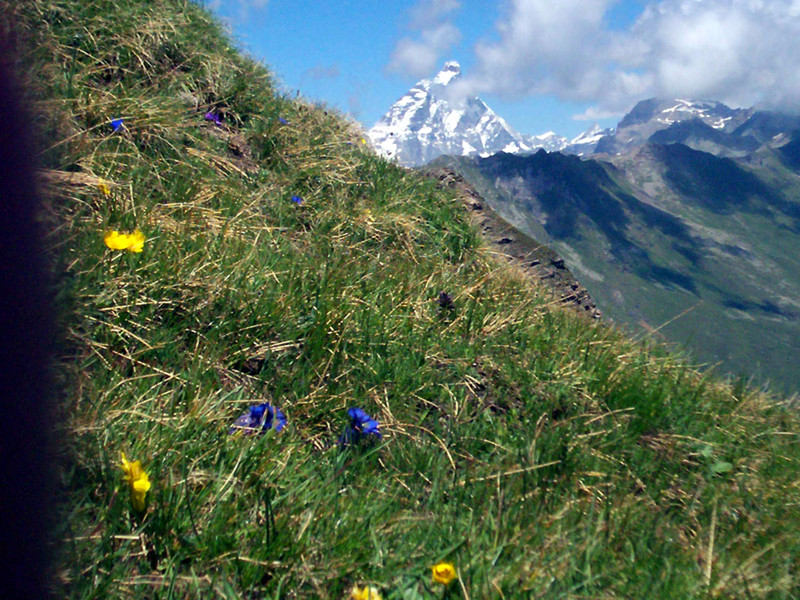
(431, 120)
(550, 141)
(586, 142)
(655, 114)
(428, 122)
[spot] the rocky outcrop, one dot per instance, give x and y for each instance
(535, 260)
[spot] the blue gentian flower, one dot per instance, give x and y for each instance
(361, 426)
(297, 199)
(117, 124)
(260, 418)
(212, 116)
(282, 121)
(362, 420)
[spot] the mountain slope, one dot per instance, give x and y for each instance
(655, 114)
(282, 263)
(667, 230)
(768, 127)
(697, 135)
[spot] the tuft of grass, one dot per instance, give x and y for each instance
(543, 455)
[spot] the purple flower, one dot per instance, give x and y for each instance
(445, 300)
(297, 199)
(117, 124)
(361, 426)
(282, 121)
(260, 418)
(212, 116)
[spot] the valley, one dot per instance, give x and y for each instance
(699, 250)
(681, 223)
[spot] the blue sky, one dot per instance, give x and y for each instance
(543, 65)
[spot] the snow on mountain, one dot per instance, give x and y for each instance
(586, 142)
(429, 121)
(590, 136)
(550, 141)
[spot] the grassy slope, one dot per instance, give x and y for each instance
(544, 456)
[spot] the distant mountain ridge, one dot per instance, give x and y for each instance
(684, 219)
(701, 246)
(653, 115)
(430, 121)
(586, 143)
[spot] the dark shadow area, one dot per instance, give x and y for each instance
(566, 188)
(790, 153)
(26, 411)
(767, 306)
(718, 184)
(570, 190)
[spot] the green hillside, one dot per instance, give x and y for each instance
(281, 262)
(701, 248)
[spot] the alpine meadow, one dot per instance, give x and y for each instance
(288, 368)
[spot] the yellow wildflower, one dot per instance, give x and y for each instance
(103, 186)
(365, 593)
(125, 241)
(444, 573)
(137, 480)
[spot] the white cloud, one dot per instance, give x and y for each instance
(544, 46)
(242, 10)
(595, 114)
(420, 57)
(428, 11)
(738, 51)
(435, 35)
(320, 72)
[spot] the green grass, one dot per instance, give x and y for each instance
(544, 456)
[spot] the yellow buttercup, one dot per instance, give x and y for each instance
(133, 242)
(103, 186)
(365, 593)
(137, 480)
(444, 573)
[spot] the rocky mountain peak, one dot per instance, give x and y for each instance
(426, 123)
(450, 72)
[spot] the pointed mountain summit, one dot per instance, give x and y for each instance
(430, 120)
